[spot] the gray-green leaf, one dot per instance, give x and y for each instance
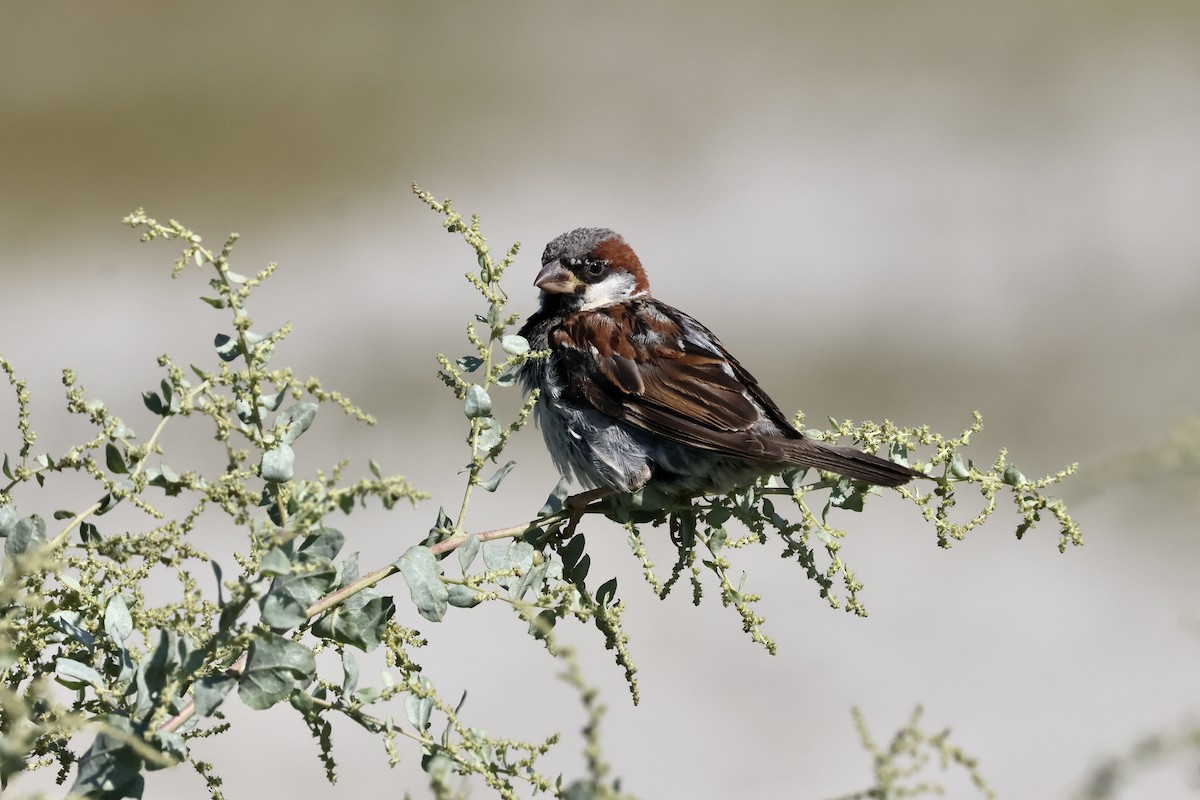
(275, 667)
(489, 433)
(75, 674)
(227, 347)
(514, 345)
(286, 603)
(349, 672)
(468, 551)
(463, 596)
(109, 768)
(477, 404)
(419, 708)
(118, 624)
(25, 534)
(294, 421)
(1013, 477)
(114, 459)
(359, 622)
(420, 570)
(492, 483)
(278, 464)
(469, 363)
(209, 692)
(8, 519)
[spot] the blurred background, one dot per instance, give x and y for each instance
(902, 210)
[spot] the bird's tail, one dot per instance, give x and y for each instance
(848, 462)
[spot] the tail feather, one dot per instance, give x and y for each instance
(848, 462)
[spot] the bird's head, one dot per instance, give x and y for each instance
(590, 268)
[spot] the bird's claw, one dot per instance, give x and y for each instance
(578, 504)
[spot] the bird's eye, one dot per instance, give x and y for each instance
(594, 270)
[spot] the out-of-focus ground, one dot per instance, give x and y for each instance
(886, 210)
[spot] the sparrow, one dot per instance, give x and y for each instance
(637, 393)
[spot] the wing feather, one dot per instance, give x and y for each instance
(656, 369)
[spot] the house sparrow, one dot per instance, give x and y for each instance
(636, 392)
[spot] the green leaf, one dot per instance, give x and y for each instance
(532, 579)
(419, 567)
(66, 622)
(846, 496)
(1013, 476)
(958, 469)
(271, 402)
(477, 404)
(516, 556)
(606, 593)
(469, 363)
(294, 421)
(557, 499)
(463, 596)
(118, 624)
(324, 542)
(215, 302)
(467, 552)
(514, 345)
(571, 552)
(227, 347)
(171, 745)
(286, 603)
(278, 464)
(542, 624)
(794, 478)
(112, 457)
(716, 540)
(243, 409)
(489, 433)
(209, 692)
(367, 694)
(360, 621)
(492, 483)
(275, 667)
(107, 503)
(75, 674)
(153, 672)
(419, 708)
(508, 377)
(275, 563)
(8, 520)
(120, 430)
(109, 769)
(7, 469)
(579, 574)
(825, 536)
(350, 672)
(26, 534)
(155, 404)
(718, 516)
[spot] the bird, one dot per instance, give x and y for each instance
(635, 393)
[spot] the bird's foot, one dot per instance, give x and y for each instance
(577, 505)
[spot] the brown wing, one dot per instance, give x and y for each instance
(657, 369)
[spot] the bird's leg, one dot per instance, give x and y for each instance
(577, 504)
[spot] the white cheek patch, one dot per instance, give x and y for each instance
(616, 288)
